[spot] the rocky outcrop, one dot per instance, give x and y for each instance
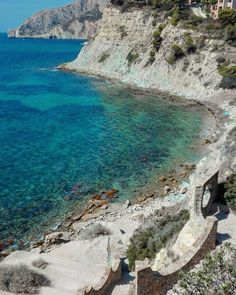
(122, 50)
(81, 19)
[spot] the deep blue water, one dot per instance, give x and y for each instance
(61, 132)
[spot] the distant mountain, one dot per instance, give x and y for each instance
(80, 19)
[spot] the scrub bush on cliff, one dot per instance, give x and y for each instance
(19, 279)
(189, 45)
(95, 231)
(228, 82)
(230, 194)
(227, 17)
(176, 53)
(215, 276)
(148, 240)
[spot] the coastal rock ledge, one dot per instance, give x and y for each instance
(122, 51)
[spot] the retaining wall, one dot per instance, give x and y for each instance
(112, 275)
(158, 283)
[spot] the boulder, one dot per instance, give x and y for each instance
(184, 190)
(162, 178)
(206, 141)
(166, 189)
(104, 207)
(57, 238)
(127, 204)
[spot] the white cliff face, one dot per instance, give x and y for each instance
(80, 19)
(194, 76)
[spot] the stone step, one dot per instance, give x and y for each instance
(127, 289)
(56, 291)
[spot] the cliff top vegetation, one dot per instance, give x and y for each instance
(180, 13)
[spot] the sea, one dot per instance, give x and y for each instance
(65, 137)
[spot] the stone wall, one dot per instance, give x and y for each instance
(158, 283)
(112, 276)
(202, 184)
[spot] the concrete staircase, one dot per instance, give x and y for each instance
(126, 285)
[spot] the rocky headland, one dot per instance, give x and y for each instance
(79, 20)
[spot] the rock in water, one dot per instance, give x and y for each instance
(78, 20)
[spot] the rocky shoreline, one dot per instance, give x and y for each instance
(172, 183)
(172, 189)
(105, 226)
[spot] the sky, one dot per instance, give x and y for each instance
(14, 12)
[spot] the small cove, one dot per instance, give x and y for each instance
(69, 135)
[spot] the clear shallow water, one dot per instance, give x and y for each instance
(63, 133)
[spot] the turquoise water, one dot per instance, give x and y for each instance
(71, 135)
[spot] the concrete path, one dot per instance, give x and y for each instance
(72, 266)
(226, 231)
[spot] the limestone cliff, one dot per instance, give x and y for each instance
(80, 19)
(122, 49)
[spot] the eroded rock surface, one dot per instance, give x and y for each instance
(122, 51)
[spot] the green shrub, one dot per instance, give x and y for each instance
(227, 16)
(171, 59)
(216, 273)
(175, 17)
(227, 71)
(201, 41)
(176, 53)
(123, 32)
(19, 279)
(151, 58)
(192, 22)
(161, 27)
(132, 57)
(189, 45)
(167, 5)
(157, 39)
(210, 25)
(230, 194)
(156, 34)
(146, 242)
(162, 5)
(230, 34)
(103, 57)
(157, 43)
